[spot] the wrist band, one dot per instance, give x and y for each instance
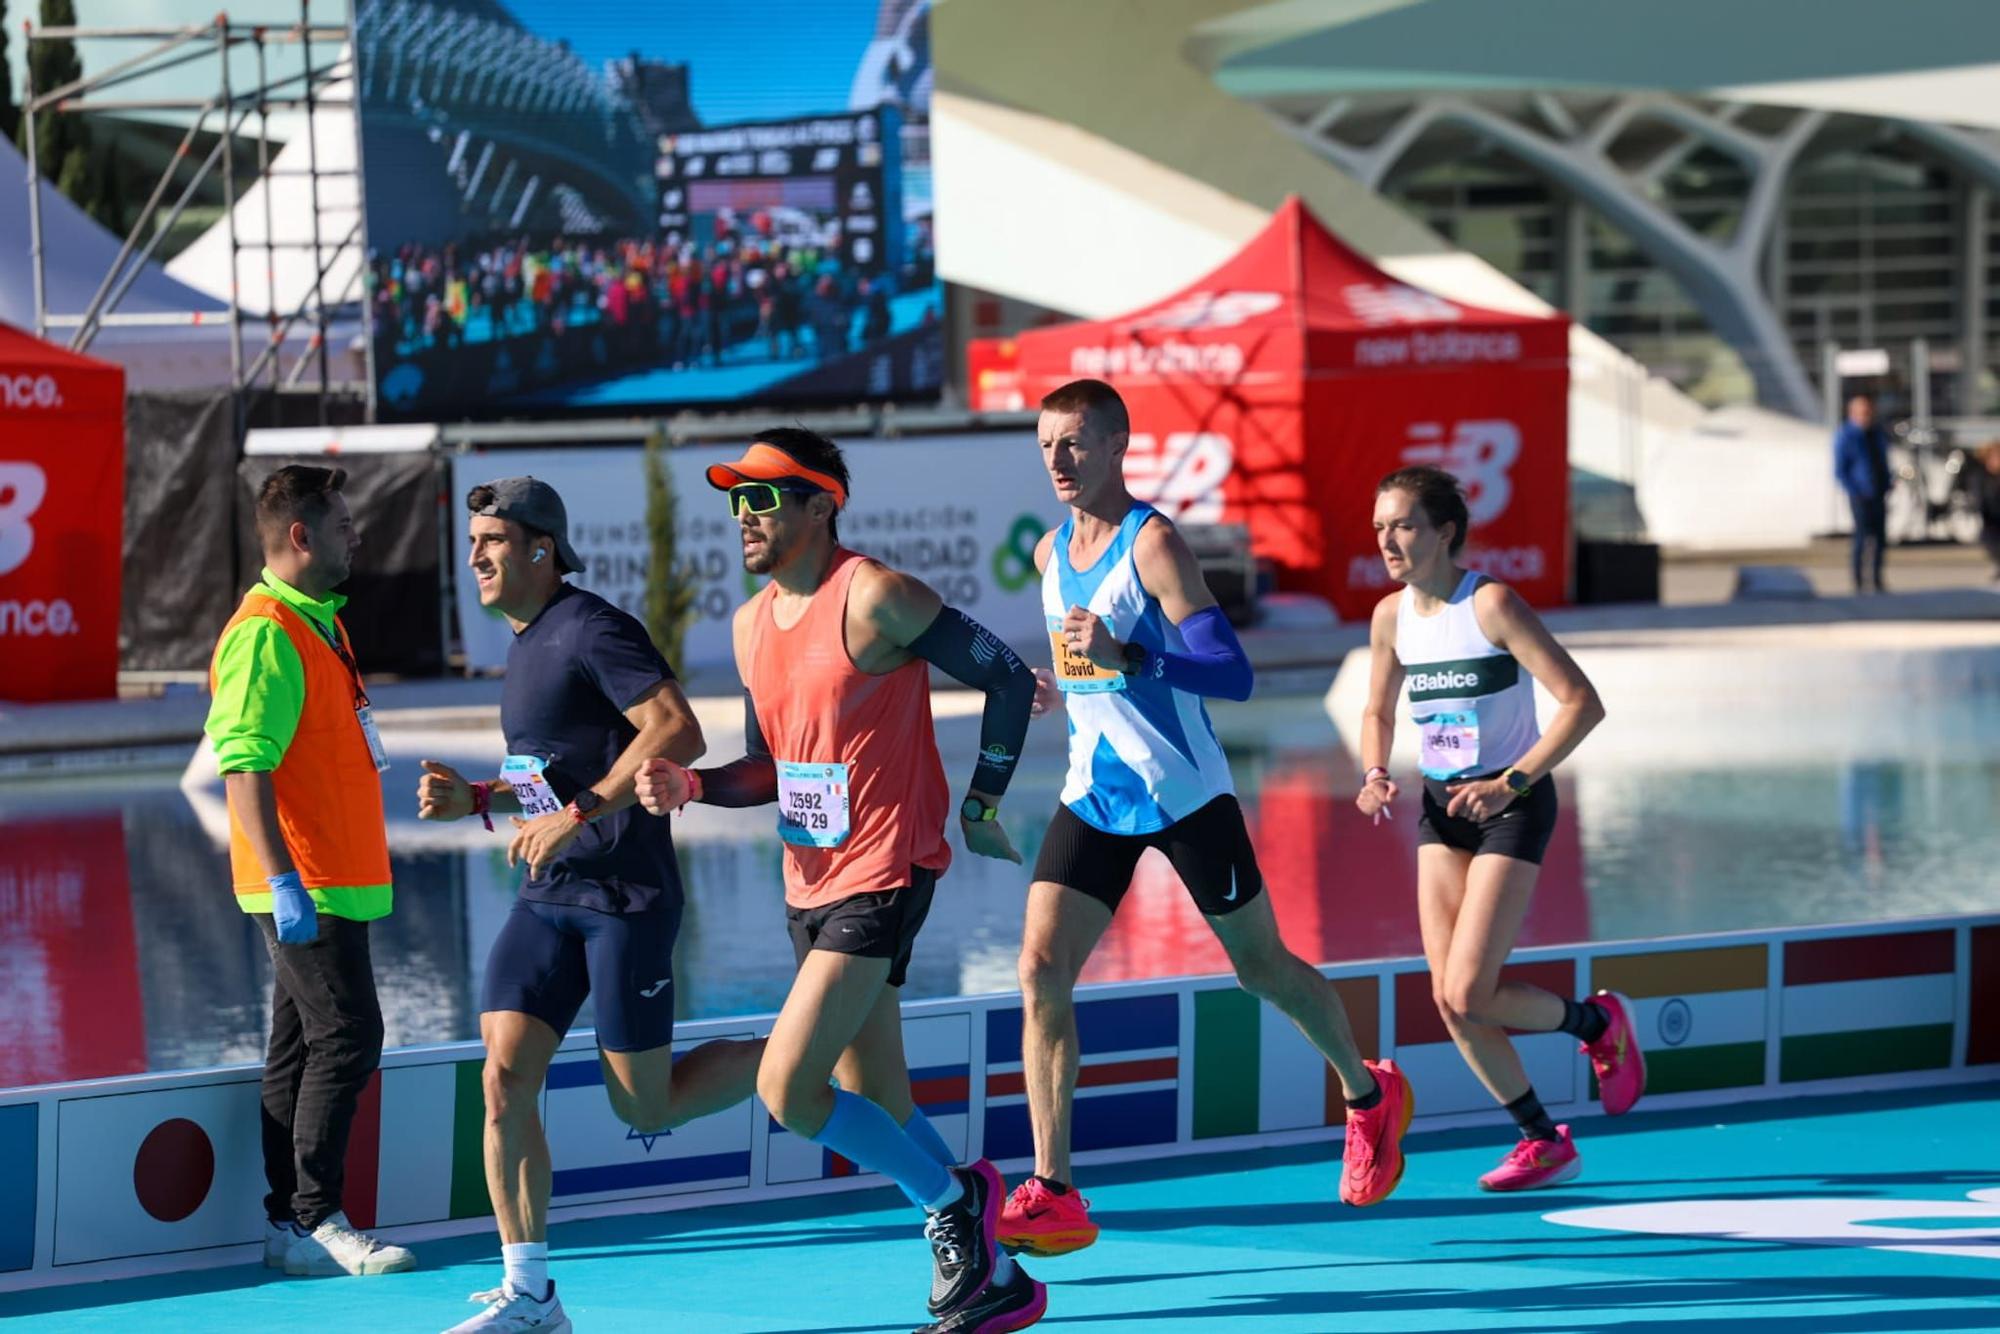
(482, 804)
(1370, 775)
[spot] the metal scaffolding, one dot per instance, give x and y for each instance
(305, 90)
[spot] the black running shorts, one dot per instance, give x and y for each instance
(1521, 831)
(1209, 849)
(878, 925)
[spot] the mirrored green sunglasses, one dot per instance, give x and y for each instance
(763, 497)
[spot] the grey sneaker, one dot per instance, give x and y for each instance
(334, 1247)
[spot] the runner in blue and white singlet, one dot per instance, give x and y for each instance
(1137, 642)
(1142, 754)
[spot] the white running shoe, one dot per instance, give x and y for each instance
(278, 1238)
(334, 1247)
(511, 1312)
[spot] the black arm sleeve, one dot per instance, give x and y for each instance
(750, 781)
(975, 656)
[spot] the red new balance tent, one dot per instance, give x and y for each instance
(62, 506)
(1279, 389)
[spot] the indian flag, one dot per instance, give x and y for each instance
(1699, 1014)
(1867, 1005)
(1255, 1072)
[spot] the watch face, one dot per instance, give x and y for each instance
(588, 800)
(973, 811)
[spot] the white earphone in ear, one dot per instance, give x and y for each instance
(539, 555)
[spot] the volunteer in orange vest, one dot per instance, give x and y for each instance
(309, 858)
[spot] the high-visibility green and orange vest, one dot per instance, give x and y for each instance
(285, 701)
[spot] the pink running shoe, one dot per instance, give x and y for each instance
(1037, 1220)
(1615, 1056)
(1371, 1162)
(1535, 1163)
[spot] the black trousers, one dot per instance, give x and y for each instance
(326, 1040)
(1871, 534)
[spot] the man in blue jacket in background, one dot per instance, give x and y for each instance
(1861, 464)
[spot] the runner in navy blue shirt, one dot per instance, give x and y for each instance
(572, 675)
(588, 700)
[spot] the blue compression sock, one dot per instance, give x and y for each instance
(920, 1129)
(862, 1131)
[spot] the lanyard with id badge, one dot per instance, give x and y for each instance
(363, 712)
(812, 804)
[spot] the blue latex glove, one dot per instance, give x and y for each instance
(292, 909)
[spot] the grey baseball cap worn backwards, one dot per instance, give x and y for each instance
(533, 503)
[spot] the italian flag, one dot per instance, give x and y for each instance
(1255, 1072)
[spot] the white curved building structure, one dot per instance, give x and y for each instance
(1717, 192)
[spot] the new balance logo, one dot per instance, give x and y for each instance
(23, 488)
(1478, 453)
(1395, 303)
(656, 988)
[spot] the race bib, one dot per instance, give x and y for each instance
(1450, 744)
(1076, 674)
(812, 804)
(366, 717)
(523, 773)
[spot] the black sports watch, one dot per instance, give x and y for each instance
(975, 811)
(1517, 782)
(1136, 660)
(586, 805)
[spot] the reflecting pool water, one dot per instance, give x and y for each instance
(120, 950)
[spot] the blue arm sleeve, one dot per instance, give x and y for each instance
(1214, 664)
(750, 781)
(974, 656)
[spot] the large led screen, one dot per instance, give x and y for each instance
(603, 205)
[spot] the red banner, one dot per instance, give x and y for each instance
(1502, 433)
(62, 504)
(1279, 389)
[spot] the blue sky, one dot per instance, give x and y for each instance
(752, 61)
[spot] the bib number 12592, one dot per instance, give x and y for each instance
(812, 804)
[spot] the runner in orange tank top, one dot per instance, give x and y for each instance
(835, 655)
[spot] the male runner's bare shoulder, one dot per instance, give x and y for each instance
(886, 611)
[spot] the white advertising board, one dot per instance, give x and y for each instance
(961, 512)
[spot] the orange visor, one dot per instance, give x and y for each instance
(768, 463)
